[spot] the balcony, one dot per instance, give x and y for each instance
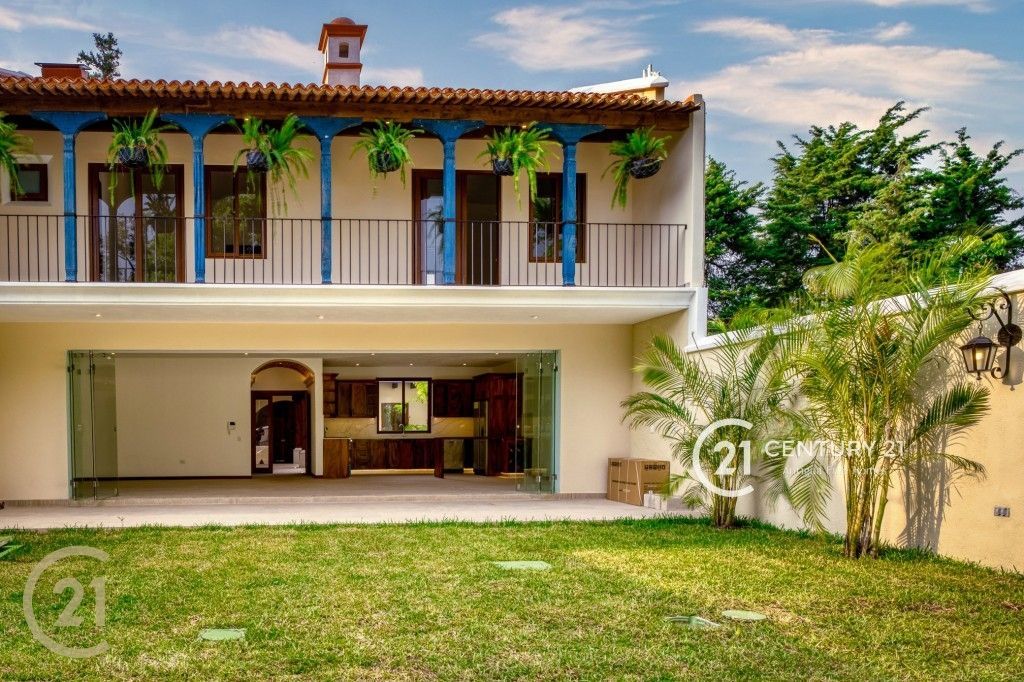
(350, 252)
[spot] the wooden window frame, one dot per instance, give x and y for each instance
(44, 183)
(178, 177)
(418, 177)
(405, 410)
(238, 175)
(581, 220)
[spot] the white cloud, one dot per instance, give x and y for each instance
(540, 38)
(889, 32)
(831, 81)
(973, 5)
(760, 31)
(16, 21)
(403, 76)
(264, 44)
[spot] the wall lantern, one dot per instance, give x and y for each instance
(980, 352)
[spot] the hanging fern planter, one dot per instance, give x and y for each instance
(644, 168)
(383, 161)
(256, 161)
(133, 157)
(386, 148)
(512, 151)
(637, 157)
(502, 166)
(272, 150)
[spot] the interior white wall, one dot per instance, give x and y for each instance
(173, 414)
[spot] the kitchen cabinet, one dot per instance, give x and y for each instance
(453, 397)
(330, 395)
(336, 458)
(397, 453)
(357, 399)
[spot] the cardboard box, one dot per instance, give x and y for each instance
(630, 478)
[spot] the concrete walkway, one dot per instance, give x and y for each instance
(363, 511)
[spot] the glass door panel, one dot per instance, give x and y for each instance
(538, 426)
(480, 231)
(137, 225)
(115, 226)
(429, 228)
(94, 470)
(104, 424)
(83, 478)
(159, 229)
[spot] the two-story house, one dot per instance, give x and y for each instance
(197, 328)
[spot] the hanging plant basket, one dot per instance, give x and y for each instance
(644, 167)
(501, 166)
(256, 161)
(133, 157)
(383, 161)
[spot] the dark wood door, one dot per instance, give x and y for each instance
(477, 234)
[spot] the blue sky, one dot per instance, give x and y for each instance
(767, 68)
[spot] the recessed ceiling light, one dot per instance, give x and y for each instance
(99, 315)
(357, 364)
(463, 364)
(534, 317)
(244, 353)
(410, 364)
(372, 353)
(319, 317)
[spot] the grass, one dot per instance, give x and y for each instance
(424, 602)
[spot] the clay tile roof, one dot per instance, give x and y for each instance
(36, 93)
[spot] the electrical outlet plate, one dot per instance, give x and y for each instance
(1003, 512)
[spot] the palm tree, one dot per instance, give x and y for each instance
(877, 369)
(747, 378)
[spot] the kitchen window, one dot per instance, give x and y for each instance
(403, 405)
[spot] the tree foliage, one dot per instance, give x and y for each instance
(730, 230)
(841, 179)
(879, 379)
(105, 61)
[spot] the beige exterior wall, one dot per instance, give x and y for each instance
(594, 377)
(952, 517)
(615, 255)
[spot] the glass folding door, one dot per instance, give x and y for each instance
(539, 422)
(93, 409)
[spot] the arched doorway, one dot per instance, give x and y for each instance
(281, 399)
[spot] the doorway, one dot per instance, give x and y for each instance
(281, 432)
(137, 226)
(477, 231)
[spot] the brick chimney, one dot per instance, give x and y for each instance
(340, 43)
(52, 70)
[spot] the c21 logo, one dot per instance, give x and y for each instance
(69, 617)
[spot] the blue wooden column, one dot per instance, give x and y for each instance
(448, 131)
(325, 128)
(198, 126)
(569, 135)
(69, 123)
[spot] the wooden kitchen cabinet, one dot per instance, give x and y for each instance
(452, 397)
(330, 395)
(336, 458)
(357, 399)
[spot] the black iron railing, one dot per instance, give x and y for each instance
(360, 251)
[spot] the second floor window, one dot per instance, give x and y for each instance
(236, 213)
(546, 219)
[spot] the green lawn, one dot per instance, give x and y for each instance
(424, 602)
